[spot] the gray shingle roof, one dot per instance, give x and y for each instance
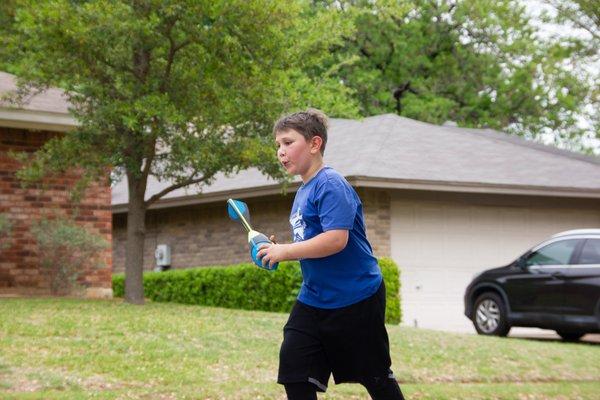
(400, 148)
(392, 151)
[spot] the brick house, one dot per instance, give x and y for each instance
(27, 128)
(444, 202)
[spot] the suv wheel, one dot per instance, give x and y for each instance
(570, 336)
(489, 316)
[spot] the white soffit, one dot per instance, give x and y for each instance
(36, 120)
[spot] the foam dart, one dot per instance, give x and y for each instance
(238, 211)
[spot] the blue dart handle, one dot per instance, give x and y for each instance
(254, 245)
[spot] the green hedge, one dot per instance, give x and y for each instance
(391, 276)
(244, 286)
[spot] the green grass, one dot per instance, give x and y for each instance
(74, 349)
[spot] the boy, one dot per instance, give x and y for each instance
(337, 323)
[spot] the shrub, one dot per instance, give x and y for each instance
(244, 286)
(391, 277)
(5, 232)
(65, 249)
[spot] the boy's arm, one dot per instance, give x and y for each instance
(322, 245)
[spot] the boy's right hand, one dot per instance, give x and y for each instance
(270, 254)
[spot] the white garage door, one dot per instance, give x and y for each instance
(439, 246)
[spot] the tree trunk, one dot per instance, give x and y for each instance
(134, 250)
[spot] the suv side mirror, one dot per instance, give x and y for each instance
(521, 262)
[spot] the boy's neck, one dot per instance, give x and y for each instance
(312, 171)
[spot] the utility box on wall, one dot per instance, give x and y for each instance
(162, 254)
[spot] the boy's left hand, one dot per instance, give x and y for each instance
(273, 253)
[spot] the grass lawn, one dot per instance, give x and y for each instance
(75, 349)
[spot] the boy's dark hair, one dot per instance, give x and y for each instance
(309, 123)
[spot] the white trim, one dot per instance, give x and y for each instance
(204, 198)
(472, 187)
(564, 266)
(584, 266)
(432, 186)
(38, 120)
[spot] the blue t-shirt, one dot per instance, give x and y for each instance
(328, 202)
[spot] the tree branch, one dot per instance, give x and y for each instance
(141, 63)
(149, 160)
(173, 49)
(170, 57)
(580, 24)
(171, 188)
(576, 17)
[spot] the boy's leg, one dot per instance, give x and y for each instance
(303, 366)
(357, 344)
(384, 388)
(300, 391)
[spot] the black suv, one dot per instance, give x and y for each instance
(555, 285)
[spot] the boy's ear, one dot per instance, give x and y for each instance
(315, 144)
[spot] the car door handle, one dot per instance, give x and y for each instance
(558, 275)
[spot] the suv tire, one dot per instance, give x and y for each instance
(489, 315)
(570, 336)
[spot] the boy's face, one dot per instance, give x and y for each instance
(295, 153)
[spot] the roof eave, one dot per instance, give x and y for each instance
(473, 187)
(378, 183)
(212, 197)
(36, 120)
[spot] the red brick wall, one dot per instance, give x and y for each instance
(20, 263)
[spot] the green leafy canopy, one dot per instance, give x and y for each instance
(479, 63)
(179, 90)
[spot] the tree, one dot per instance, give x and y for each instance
(175, 89)
(583, 14)
(581, 18)
(7, 16)
(480, 63)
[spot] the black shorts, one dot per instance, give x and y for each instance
(350, 342)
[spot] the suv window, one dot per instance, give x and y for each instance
(590, 253)
(557, 253)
